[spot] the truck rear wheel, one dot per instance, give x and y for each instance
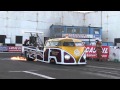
(52, 61)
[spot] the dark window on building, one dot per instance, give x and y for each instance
(19, 39)
(58, 30)
(77, 30)
(84, 31)
(70, 30)
(2, 38)
(116, 40)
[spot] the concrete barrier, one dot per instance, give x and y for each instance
(10, 48)
(114, 54)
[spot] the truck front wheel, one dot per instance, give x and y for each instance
(29, 59)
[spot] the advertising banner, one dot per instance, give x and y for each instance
(91, 52)
(78, 35)
(3, 49)
(15, 49)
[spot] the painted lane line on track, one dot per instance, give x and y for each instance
(105, 72)
(36, 74)
(104, 75)
(103, 67)
(22, 71)
(40, 75)
(109, 72)
(15, 71)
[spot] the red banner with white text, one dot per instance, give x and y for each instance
(91, 52)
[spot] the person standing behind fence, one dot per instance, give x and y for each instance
(99, 50)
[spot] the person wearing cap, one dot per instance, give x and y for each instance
(99, 50)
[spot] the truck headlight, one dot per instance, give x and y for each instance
(67, 57)
(84, 56)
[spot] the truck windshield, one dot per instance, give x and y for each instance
(68, 44)
(72, 44)
(53, 43)
(79, 44)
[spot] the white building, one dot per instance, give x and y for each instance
(108, 20)
(14, 23)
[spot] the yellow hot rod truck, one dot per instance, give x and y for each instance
(66, 51)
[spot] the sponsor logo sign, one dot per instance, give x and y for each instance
(15, 49)
(3, 49)
(78, 35)
(91, 52)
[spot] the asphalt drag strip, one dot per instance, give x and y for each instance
(13, 69)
